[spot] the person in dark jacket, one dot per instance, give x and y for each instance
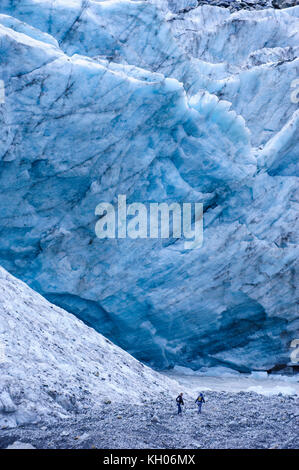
(179, 402)
(199, 401)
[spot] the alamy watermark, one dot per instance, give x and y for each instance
(295, 93)
(153, 220)
(295, 354)
(2, 352)
(2, 92)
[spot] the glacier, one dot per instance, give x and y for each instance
(167, 104)
(63, 385)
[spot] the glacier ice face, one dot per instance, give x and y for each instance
(54, 365)
(123, 97)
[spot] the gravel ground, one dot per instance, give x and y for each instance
(238, 420)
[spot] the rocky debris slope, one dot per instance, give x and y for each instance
(284, 3)
(123, 97)
(53, 365)
(185, 6)
(232, 5)
(241, 420)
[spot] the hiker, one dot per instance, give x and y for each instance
(180, 401)
(199, 401)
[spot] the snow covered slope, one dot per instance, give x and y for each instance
(143, 99)
(52, 364)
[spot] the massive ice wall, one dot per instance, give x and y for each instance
(108, 98)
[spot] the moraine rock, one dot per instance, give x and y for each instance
(20, 445)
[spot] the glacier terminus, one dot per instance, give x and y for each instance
(164, 101)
